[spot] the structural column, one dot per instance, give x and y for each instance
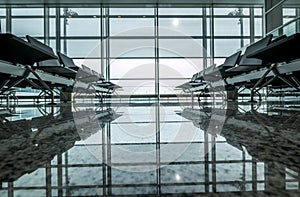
(273, 14)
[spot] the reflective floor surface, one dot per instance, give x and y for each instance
(224, 149)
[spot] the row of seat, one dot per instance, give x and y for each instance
(233, 65)
(38, 56)
(66, 67)
(259, 56)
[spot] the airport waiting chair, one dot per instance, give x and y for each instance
(15, 51)
(247, 64)
(84, 73)
(51, 66)
(194, 82)
(88, 75)
(219, 72)
(213, 73)
(282, 50)
(67, 61)
(200, 75)
(207, 71)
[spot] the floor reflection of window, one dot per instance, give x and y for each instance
(292, 179)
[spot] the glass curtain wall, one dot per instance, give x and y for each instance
(147, 51)
(2, 20)
(132, 49)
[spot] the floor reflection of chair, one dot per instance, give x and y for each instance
(38, 140)
(272, 139)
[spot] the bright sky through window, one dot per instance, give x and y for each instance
(175, 22)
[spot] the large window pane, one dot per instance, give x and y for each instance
(258, 11)
(80, 26)
(231, 27)
(2, 12)
(179, 68)
(2, 20)
(180, 26)
(53, 44)
(181, 11)
(225, 47)
(28, 26)
(132, 47)
(208, 26)
(231, 11)
(2, 25)
(131, 11)
(289, 12)
(52, 27)
(132, 68)
(181, 48)
(82, 48)
(27, 11)
(258, 26)
(132, 26)
(80, 11)
(52, 11)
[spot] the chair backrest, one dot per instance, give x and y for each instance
(40, 45)
(86, 69)
(251, 49)
(65, 60)
(232, 60)
(200, 74)
(194, 77)
(209, 69)
(96, 73)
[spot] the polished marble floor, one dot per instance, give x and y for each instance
(150, 149)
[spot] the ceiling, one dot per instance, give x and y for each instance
(129, 3)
